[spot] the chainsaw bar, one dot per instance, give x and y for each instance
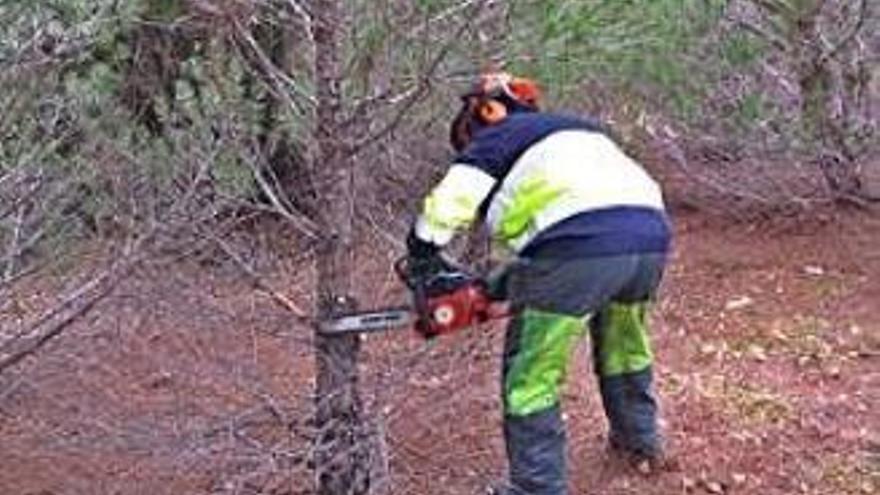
(370, 321)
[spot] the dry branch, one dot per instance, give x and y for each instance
(299, 221)
(258, 283)
(276, 80)
(424, 85)
(73, 307)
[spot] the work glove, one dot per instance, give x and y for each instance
(423, 258)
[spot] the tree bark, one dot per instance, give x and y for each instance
(342, 455)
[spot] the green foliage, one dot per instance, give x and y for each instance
(681, 59)
(750, 109)
(430, 6)
(66, 121)
(819, 50)
(739, 49)
(784, 18)
(164, 10)
(643, 45)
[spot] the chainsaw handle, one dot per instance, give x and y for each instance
(423, 312)
(401, 268)
(416, 285)
(449, 299)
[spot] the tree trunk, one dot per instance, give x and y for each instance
(342, 455)
(815, 73)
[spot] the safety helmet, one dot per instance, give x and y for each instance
(502, 85)
(490, 99)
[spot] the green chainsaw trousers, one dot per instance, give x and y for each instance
(555, 301)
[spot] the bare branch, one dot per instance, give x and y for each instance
(276, 79)
(304, 16)
(776, 7)
(450, 12)
(424, 84)
(847, 37)
(773, 39)
(56, 320)
(258, 282)
(13, 250)
(300, 222)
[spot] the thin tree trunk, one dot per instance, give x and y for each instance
(342, 455)
(835, 158)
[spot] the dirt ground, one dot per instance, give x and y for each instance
(187, 382)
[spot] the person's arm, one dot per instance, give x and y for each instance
(450, 207)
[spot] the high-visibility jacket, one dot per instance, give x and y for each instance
(539, 177)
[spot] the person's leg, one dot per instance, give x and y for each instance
(536, 357)
(553, 297)
(623, 360)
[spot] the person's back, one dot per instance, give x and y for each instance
(549, 168)
(588, 227)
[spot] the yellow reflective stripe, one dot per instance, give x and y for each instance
(453, 203)
(625, 346)
(537, 371)
(533, 195)
(449, 213)
(593, 171)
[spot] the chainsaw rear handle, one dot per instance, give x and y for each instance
(417, 289)
(411, 279)
(448, 300)
(418, 285)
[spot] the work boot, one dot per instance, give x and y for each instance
(644, 462)
(632, 413)
(503, 489)
(497, 489)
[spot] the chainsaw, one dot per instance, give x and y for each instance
(441, 303)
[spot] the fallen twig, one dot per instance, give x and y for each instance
(56, 320)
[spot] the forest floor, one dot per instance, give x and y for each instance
(767, 339)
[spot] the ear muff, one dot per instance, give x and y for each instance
(491, 112)
(525, 91)
(460, 131)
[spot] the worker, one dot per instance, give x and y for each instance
(590, 235)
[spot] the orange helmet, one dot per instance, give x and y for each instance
(491, 98)
(500, 84)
